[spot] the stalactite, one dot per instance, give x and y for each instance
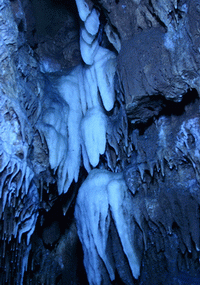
(148, 202)
(83, 105)
(108, 197)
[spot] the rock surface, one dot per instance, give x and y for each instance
(152, 140)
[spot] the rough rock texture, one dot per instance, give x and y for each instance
(150, 233)
(19, 111)
(167, 196)
(128, 17)
(154, 62)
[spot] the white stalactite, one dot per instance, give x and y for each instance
(74, 124)
(93, 127)
(104, 195)
(83, 9)
(92, 22)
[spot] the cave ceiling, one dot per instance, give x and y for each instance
(99, 142)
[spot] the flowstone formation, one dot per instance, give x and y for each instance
(99, 135)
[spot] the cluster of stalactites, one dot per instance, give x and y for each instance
(75, 129)
(14, 264)
(160, 146)
(18, 193)
(16, 183)
(104, 196)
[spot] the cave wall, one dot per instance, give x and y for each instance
(99, 134)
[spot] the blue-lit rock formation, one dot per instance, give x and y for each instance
(100, 142)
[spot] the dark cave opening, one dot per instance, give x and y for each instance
(178, 108)
(51, 14)
(153, 107)
(52, 31)
(55, 238)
